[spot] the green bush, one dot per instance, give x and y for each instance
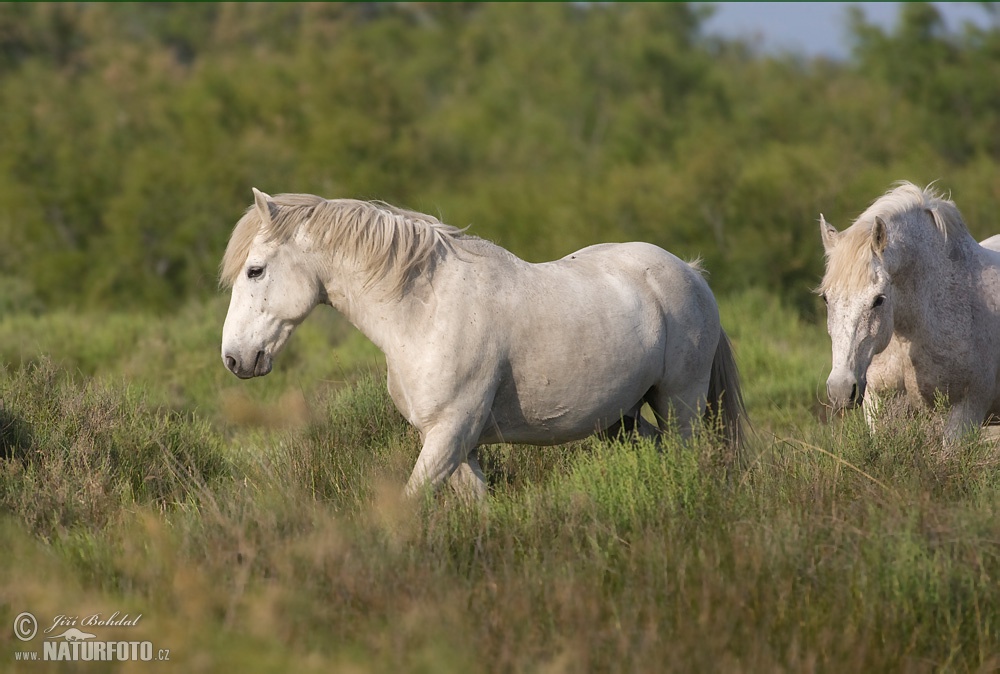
(134, 134)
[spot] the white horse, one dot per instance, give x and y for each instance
(481, 346)
(913, 308)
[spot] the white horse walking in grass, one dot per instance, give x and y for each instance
(913, 308)
(481, 346)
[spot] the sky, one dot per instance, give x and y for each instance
(818, 28)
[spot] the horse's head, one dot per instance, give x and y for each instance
(858, 292)
(273, 291)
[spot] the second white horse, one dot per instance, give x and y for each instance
(913, 308)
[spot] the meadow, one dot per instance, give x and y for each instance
(258, 526)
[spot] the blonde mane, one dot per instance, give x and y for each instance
(388, 242)
(849, 263)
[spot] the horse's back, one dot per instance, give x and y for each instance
(604, 326)
(992, 243)
(626, 282)
(675, 284)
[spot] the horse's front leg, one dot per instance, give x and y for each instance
(963, 417)
(449, 452)
(873, 405)
(468, 479)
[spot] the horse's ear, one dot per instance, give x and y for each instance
(828, 232)
(880, 236)
(265, 206)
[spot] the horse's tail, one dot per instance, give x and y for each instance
(725, 408)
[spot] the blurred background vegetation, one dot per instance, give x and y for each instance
(132, 133)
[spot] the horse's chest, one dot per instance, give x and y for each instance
(944, 370)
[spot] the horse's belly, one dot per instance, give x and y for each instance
(553, 431)
(553, 415)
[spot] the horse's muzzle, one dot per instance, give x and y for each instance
(844, 392)
(261, 365)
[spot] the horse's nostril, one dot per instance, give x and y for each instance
(231, 363)
(854, 394)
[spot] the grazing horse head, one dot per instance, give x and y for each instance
(858, 294)
(874, 269)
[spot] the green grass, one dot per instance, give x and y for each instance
(259, 526)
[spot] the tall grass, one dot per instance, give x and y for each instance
(276, 547)
(76, 454)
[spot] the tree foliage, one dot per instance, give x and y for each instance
(132, 133)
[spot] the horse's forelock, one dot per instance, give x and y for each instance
(238, 248)
(849, 263)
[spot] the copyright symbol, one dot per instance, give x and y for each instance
(25, 627)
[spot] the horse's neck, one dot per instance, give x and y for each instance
(934, 291)
(383, 317)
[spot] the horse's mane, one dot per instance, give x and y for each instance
(849, 264)
(386, 241)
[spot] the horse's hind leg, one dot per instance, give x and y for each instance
(681, 409)
(630, 426)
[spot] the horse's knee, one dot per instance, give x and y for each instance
(436, 463)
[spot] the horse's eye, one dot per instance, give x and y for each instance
(824, 298)
(878, 301)
(255, 272)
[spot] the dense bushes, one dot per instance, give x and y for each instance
(133, 133)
